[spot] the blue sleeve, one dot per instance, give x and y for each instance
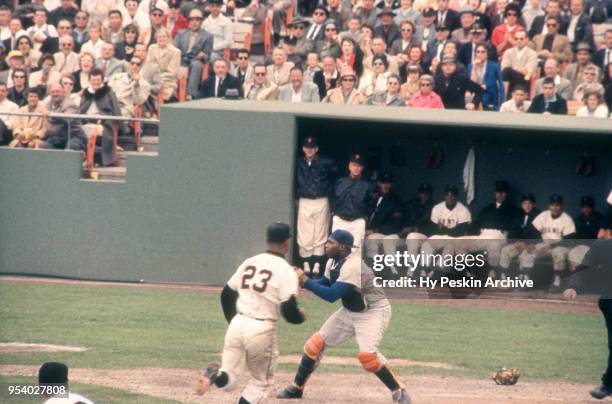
(328, 293)
(324, 281)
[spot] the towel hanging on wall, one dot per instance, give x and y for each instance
(468, 176)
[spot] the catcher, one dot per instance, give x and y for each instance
(365, 313)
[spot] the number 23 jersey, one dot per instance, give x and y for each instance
(263, 282)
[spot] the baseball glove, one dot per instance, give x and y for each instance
(302, 277)
(506, 377)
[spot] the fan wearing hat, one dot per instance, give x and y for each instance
(302, 45)
(503, 36)
(554, 225)
(314, 183)
(220, 26)
(467, 51)
(346, 93)
(492, 226)
(16, 60)
(426, 29)
(365, 314)
(56, 373)
(449, 219)
(446, 16)
(522, 230)
(384, 220)
(452, 85)
(575, 71)
(352, 198)
(463, 34)
(588, 225)
(263, 288)
(386, 27)
(316, 30)
(329, 44)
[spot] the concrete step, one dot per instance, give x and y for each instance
(109, 173)
(150, 143)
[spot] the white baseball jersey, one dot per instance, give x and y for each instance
(263, 282)
(440, 214)
(554, 229)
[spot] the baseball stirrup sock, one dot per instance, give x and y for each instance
(388, 378)
(222, 379)
(243, 401)
(307, 366)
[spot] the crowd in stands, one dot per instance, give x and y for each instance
(127, 57)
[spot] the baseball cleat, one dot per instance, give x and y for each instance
(290, 392)
(204, 382)
(401, 396)
(601, 392)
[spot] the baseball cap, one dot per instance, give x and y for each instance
(451, 189)
(502, 186)
(442, 27)
(385, 11)
(587, 201)
(584, 46)
(15, 54)
(343, 237)
(528, 197)
(429, 12)
(357, 158)
(53, 372)
(384, 176)
(425, 188)
(448, 59)
(311, 141)
(556, 199)
(278, 232)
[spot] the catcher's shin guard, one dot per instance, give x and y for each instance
(312, 352)
(371, 362)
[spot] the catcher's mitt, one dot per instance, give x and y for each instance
(506, 377)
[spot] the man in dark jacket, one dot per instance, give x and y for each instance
(352, 198)
(549, 102)
(451, 86)
(417, 212)
(384, 220)
(57, 128)
(588, 224)
(217, 85)
(99, 99)
(314, 184)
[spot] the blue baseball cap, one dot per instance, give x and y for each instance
(343, 237)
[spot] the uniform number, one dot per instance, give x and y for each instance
(264, 277)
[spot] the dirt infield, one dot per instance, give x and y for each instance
(337, 388)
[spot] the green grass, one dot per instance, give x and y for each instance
(95, 393)
(132, 327)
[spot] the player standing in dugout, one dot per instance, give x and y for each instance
(262, 289)
(365, 314)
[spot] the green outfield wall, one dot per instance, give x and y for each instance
(225, 171)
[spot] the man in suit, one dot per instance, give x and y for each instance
(260, 89)
(564, 86)
(81, 30)
(538, 26)
(387, 28)
(519, 63)
(467, 50)
(108, 63)
(578, 28)
(66, 60)
(574, 71)
(452, 85)
(16, 30)
(316, 30)
(242, 70)
(303, 45)
(449, 17)
(297, 90)
(549, 102)
(196, 46)
(552, 44)
(150, 71)
(67, 10)
(436, 47)
(218, 84)
(56, 136)
(603, 56)
(426, 29)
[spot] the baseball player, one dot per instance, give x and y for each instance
(263, 288)
(365, 314)
(314, 175)
(588, 223)
(352, 198)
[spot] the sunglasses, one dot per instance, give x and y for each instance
(135, 64)
(242, 57)
(301, 27)
(156, 14)
(425, 85)
(348, 79)
(406, 30)
(551, 25)
(260, 74)
(511, 15)
(66, 44)
(330, 29)
(195, 18)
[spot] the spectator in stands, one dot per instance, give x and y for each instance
(173, 20)
(449, 50)
(607, 83)
(303, 45)
(131, 9)
(338, 12)
(243, 70)
(45, 76)
(552, 44)
(446, 16)
(463, 34)
(415, 57)
(411, 86)
(578, 28)
(112, 30)
(66, 11)
(376, 79)
(66, 60)
(18, 93)
(435, 47)
(41, 31)
(379, 48)
(312, 66)
(260, 89)
(486, 73)
(405, 12)
(583, 59)
(564, 86)
(367, 35)
(6, 121)
(495, 12)
(549, 102)
(16, 31)
(426, 29)
(329, 44)
(589, 83)
(451, 86)
(108, 63)
(519, 63)
(346, 93)
(130, 88)
(81, 31)
(278, 71)
(279, 12)
(57, 373)
(148, 34)
(15, 61)
(467, 51)
(504, 35)
(143, 14)
(56, 136)
(366, 12)
(220, 26)
(426, 97)
(124, 49)
(81, 76)
(353, 30)
(351, 56)
(67, 83)
(218, 84)
(97, 10)
(603, 56)
(553, 9)
(326, 78)
(518, 102)
(30, 55)
(168, 58)
(29, 131)
(297, 90)
(530, 11)
(99, 99)
(149, 71)
(386, 28)
(196, 46)
(64, 27)
(593, 107)
(391, 97)
(401, 46)
(257, 12)
(94, 44)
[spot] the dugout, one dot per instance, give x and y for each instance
(225, 171)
